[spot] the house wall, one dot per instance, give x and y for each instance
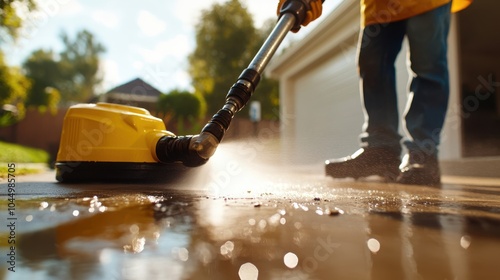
(480, 76)
(328, 110)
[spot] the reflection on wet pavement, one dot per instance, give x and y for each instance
(293, 227)
(247, 219)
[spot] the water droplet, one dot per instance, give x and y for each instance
(282, 221)
(227, 248)
(465, 241)
(224, 250)
(138, 244)
(29, 218)
(183, 254)
(251, 222)
(373, 245)
(229, 245)
(76, 213)
(291, 260)
(248, 271)
(44, 205)
(134, 229)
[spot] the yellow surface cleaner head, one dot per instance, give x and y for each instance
(109, 141)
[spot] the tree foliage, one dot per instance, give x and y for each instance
(13, 87)
(182, 104)
(70, 76)
(79, 64)
(44, 71)
(226, 41)
(224, 36)
(10, 20)
(13, 84)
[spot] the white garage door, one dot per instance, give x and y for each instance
(328, 109)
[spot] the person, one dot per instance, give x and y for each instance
(384, 25)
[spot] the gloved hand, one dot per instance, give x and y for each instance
(312, 14)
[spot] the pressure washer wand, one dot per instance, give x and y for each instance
(196, 150)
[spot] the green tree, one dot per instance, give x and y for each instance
(183, 107)
(10, 20)
(182, 104)
(224, 36)
(13, 84)
(70, 76)
(44, 71)
(79, 65)
(13, 88)
(226, 41)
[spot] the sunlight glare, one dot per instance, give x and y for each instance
(248, 271)
(291, 260)
(373, 245)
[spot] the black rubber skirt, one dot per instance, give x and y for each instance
(76, 172)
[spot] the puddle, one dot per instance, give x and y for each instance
(250, 221)
(346, 232)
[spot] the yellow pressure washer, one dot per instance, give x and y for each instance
(109, 142)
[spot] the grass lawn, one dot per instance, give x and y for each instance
(21, 154)
(4, 171)
(14, 153)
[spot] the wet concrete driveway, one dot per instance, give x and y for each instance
(258, 222)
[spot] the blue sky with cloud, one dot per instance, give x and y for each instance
(149, 39)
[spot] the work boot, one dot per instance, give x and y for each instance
(418, 168)
(365, 162)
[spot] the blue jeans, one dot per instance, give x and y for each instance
(429, 89)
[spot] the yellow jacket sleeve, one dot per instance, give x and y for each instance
(458, 5)
(383, 11)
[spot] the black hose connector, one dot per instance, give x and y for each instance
(250, 75)
(219, 123)
(171, 149)
(243, 89)
(239, 95)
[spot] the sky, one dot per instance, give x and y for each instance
(149, 39)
